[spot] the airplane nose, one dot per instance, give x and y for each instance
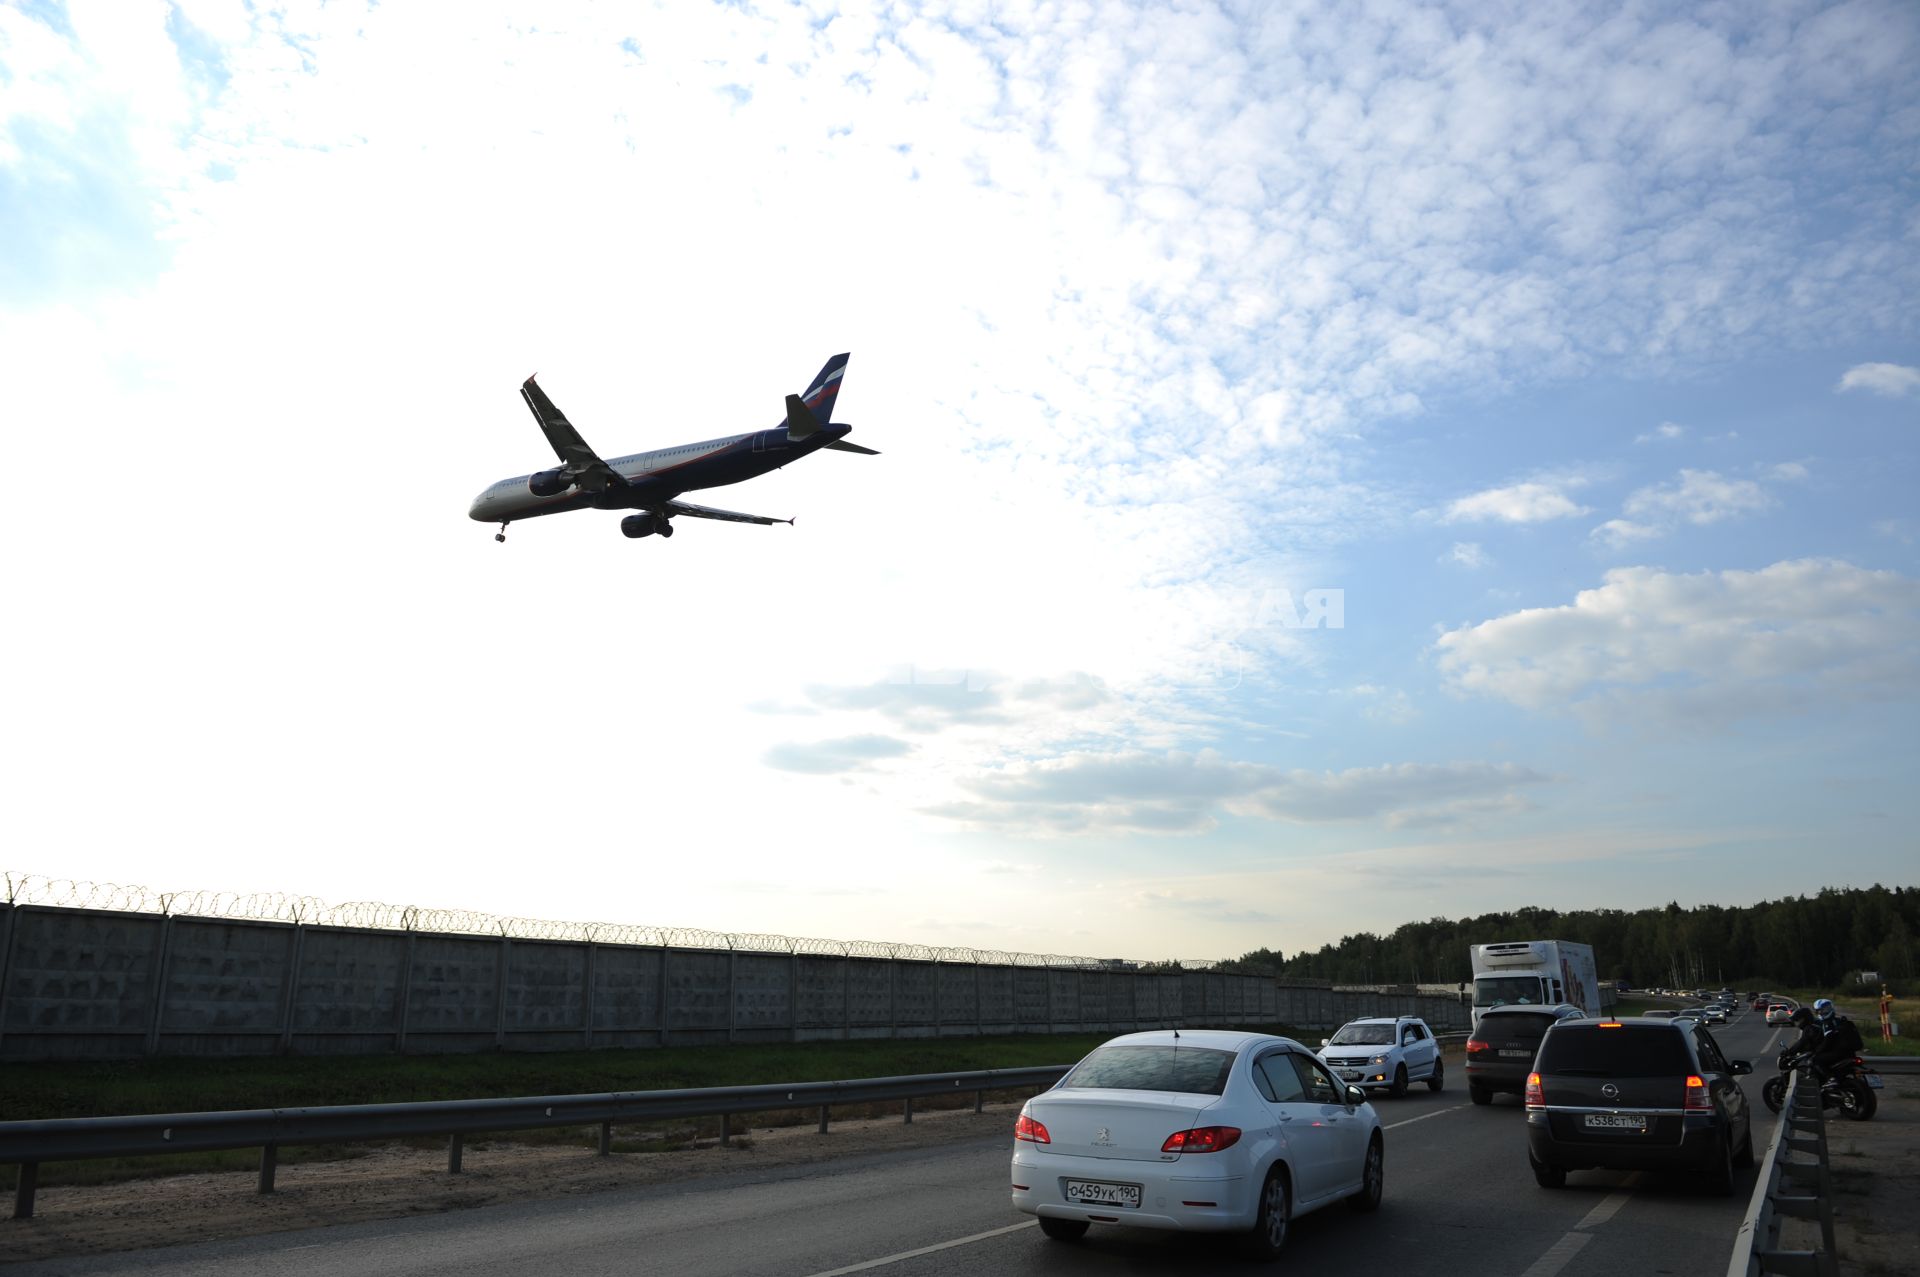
(478, 510)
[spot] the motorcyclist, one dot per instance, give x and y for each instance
(1839, 1040)
(1802, 1047)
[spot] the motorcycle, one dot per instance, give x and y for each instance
(1848, 1087)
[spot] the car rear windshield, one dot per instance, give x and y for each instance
(1593, 1050)
(1523, 1024)
(1194, 1070)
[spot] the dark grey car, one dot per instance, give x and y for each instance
(1500, 1052)
(1636, 1094)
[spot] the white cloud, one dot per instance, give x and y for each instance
(1697, 498)
(1467, 554)
(1704, 647)
(1891, 380)
(827, 757)
(1665, 432)
(1518, 503)
(1181, 793)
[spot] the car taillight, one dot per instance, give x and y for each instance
(1202, 1139)
(1475, 1046)
(1028, 1129)
(1536, 1094)
(1698, 1101)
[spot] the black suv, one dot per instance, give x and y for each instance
(1500, 1052)
(1636, 1095)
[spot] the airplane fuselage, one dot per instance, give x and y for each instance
(657, 477)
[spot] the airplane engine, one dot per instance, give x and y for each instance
(637, 525)
(548, 483)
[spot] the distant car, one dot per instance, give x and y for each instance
(1659, 1013)
(1636, 1095)
(1500, 1052)
(1385, 1052)
(1779, 1013)
(1196, 1131)
(1714, 1015)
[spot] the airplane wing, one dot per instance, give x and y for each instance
(708, 512)
(841, 445)
(582, 464)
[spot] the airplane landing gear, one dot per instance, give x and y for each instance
(501, 535)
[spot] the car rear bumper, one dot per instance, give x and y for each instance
(1697, 1146)
(1169, 1199)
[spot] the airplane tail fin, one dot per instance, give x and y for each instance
(816, 405)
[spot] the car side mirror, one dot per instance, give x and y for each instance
(1355, 1097)
(1740, 1068)
(1323, 1041)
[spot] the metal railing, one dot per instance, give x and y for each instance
(83, 1138)
(1790, 1188)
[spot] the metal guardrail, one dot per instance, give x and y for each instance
(1781, 1193)
(1893, 1063)
(83, 1138)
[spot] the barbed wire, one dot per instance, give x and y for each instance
(75, 893)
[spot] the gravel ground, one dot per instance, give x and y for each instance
(396, 1181)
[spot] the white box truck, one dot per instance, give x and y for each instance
(1536, 973)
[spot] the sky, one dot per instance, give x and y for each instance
(1340, 464)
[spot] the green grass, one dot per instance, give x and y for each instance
(29, 1091)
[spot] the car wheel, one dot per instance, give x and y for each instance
(1063, 1230)
(1399, 1087)
(1479, 1094)
(1548, 1176)
(1270, 1225)
(1439, 1077)
(1718, 1177)
(1373, 1178)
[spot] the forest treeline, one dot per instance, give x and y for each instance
(1795, 942)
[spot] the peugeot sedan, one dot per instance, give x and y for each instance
(1200, 1131)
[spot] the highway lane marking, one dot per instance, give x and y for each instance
(1558, 1255)
(1423, 1117)
(927, 1250)
(1606, 1210)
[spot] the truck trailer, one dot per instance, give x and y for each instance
(1534, 973)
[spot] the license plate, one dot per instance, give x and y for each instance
(1090, 1193)
(1615, 1122)
(1873, 1080)
(1515, 1055)
(1351, 1075)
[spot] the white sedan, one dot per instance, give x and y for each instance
(1196, 1130)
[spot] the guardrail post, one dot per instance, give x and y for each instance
(909, 1116)
(23, 1190)
(726, 1130)
(606, 1139)
(979, 1101)
(823, 1119)
(456, 1144)
(269, 1158)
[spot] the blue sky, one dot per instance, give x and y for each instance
(1341, 465)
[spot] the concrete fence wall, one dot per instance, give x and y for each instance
(81, 984)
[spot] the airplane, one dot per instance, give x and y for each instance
(651, 482)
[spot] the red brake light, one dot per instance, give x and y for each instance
(1028, 1129)
(1202, 1139)
(1697, 1099)
(1475, 1046)
(1536, 1094)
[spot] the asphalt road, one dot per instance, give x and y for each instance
(1459, 1199)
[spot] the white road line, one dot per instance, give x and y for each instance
(1558, 1255)
(1394, 1126)
(926, 1250)
(1606, 1210)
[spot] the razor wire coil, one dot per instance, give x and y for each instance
(372, 915)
